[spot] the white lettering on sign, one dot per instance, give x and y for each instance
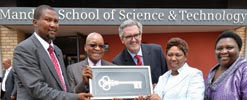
(15, 15)
(218, 16)
(75, 15)
(107, 16)
(123, 15)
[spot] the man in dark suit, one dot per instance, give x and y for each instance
(39, 65)
(130, 33)
(94, 48)
(8, 91)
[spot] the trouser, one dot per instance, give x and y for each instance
(2, 94)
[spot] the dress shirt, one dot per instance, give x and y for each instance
(90, 63)
(46, 46)
(139, 53)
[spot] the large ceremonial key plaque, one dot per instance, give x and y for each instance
(120, 81)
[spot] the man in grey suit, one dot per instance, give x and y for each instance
(130, 33)
(8, 85)
(94, 48)
(36, 75)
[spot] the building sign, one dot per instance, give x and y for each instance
(111, 16)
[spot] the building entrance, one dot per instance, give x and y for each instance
(72, 48)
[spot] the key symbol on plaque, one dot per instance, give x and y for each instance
(106, 83)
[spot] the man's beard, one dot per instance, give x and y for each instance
(51, 37)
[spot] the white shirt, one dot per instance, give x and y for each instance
(5, 77)
(90, 63)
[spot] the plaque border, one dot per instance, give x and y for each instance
(137, 68)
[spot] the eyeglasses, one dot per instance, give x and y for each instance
(95, 45)
(129, 37)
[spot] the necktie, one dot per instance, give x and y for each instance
(56, 65)
(139, 61)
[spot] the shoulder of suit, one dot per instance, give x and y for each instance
(77, 64)
(151, 45)
(27, 44)
(192, 70)
(107, 62)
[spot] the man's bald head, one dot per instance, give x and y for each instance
(94, 35)
(94, 47)
(6, 63)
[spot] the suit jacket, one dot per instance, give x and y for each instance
(152, 56)
(10, 86)
(35, 74)
(75, 75)
(188, 85)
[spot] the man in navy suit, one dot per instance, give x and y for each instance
(130, 33)
(39, 65)
(8, 91)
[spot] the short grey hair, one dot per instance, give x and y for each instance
(127, 23)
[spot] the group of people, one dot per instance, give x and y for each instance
(41, 74)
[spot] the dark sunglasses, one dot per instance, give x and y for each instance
(95, 45)
(129, 37)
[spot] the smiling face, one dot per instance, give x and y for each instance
(47, 25)
(132, 38)
(226, 51)
(175, 58)
(94, 47)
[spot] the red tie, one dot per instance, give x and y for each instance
(139, 61)
(56, 65)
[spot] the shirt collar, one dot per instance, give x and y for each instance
(9, 68)
(139, 53)
(90, 63)
(43, 42)
(180, 70)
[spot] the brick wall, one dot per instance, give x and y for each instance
(242, 33)
(9, 38)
